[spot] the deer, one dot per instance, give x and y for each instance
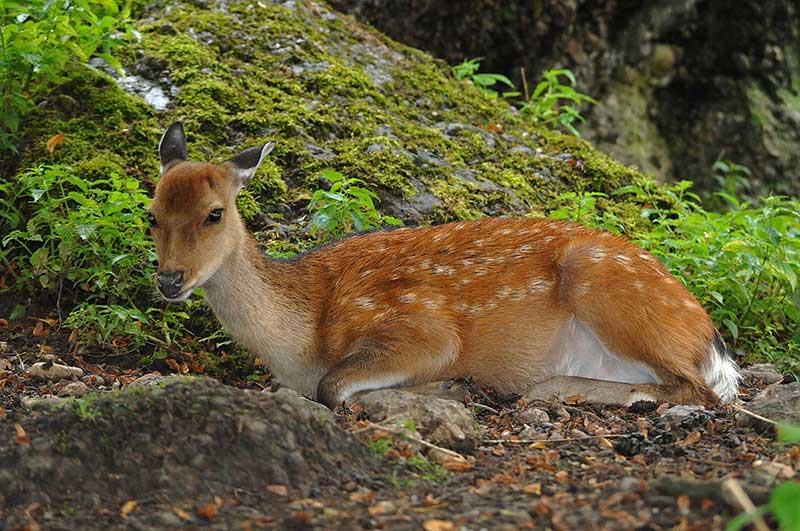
(507, 302)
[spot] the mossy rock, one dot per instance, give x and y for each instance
(334, 94)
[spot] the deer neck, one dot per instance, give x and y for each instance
(251, 296)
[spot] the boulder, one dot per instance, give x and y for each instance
(780, 403)
(177, 441)
(438, 420)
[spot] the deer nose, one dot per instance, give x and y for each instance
(170, 284)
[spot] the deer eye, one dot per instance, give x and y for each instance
(215, 216)
(152, 220)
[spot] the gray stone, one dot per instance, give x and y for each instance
(438, 420)
(41, 402)
(47, 370)
(761, 375)
(533, 416)
(681, 412)
(74, 389)
(149, 379)
(780, 403)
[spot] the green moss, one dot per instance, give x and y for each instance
(391, 116)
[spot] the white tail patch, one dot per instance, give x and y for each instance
(721, 373)
(579, 352)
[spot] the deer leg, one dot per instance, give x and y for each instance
(616, 393)
(395, 358)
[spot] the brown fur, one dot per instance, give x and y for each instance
(485, 299)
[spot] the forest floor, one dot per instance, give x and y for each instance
(581, 467)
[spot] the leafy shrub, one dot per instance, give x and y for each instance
(742, 264)
(346, 207)
(39, 37)
(730, 179)
(552, 102)
(469, 70)
(88, 239)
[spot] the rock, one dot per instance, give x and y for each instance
(41, 402)
(780, 403)
(678, 413)
(629, 483)
(47, 370)
(529, 433)
(151, 378)
(760, 375)
(438, 420)
(74, 389)
(93, 380)
(533, 416)
(149, 439)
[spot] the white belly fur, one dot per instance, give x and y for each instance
(578, 351)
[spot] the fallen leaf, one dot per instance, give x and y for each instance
(562, 476)
(575, 400)
(533, 488)
(605, 442)
(301, 518)
(438, 525)
(128, 507)
(691, 438)
(280, 490)
(22, 435)
(54, 142)
(173, 364)
(377, 509)
(459, 466)
(208, 511)
(38, 329)
(183, 515)
(499, 450)
(362, 497)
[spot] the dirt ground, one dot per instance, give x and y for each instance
(202, 454)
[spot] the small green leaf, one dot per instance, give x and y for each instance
(785, 505)
(788, 433)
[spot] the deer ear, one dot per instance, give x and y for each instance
(245, 164)
(172, 148)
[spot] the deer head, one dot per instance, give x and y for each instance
(193, 215)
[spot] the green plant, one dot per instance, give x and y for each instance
(88, 239)
(430, 471)
(381, 445)
(731, 179)
(91, 234)
(469, 70)
(39, 37)
(347, 206)
(555, 103)
(85, 408)
(552, 103)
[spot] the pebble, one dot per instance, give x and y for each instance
(41, 402)
(74, 389)
(151, 378)
(54, 371)
(533, 416)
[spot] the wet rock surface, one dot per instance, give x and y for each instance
(677, 84)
